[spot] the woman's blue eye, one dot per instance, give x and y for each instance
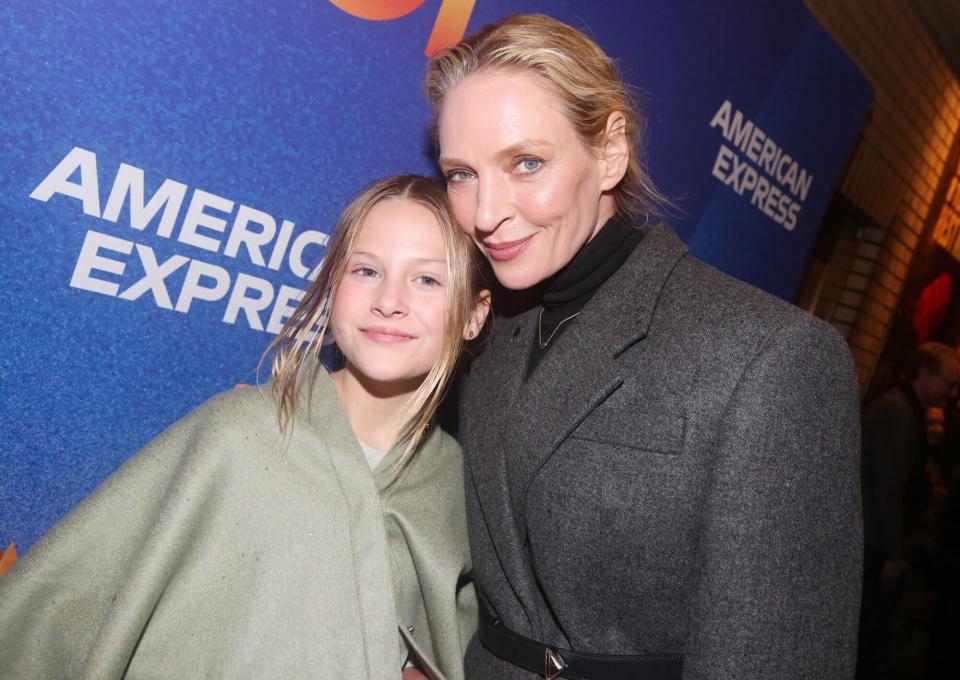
(365, 271)
(428, 280)
(458, 176)
(530, 164)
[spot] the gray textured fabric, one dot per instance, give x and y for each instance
(679, 474)
(222, 550)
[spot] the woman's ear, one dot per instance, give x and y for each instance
(479, 315)
(614, 151)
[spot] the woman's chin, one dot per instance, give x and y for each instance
(515, 278)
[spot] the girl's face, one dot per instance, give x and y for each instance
(389, 311)
(520, 180)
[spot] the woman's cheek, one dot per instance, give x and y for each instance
(462, 204)
(547, 202)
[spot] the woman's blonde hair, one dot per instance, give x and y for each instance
(303, 334)
(572, 67)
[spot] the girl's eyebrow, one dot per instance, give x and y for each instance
(437, 260)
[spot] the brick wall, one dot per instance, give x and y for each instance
(902, 158)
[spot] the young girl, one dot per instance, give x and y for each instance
(313, 532)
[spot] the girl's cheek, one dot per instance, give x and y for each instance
(438, 318)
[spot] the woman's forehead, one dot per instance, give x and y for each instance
(500, 109)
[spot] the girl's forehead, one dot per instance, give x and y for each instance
(400, 227)
(400, 210)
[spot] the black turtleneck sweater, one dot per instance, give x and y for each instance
(568, 291)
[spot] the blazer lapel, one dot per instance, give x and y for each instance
(513, 426)
(489, 413)
(580, 372)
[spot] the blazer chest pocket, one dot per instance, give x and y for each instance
(645, 431)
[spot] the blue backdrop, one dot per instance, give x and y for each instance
(171, 170)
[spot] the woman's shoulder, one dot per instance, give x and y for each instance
(713, 288)
(725, 304)
(687, 296)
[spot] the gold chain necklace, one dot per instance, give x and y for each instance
(543, 343)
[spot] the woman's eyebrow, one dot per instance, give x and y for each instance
(517, 148)
(447, 161)
(523, 145)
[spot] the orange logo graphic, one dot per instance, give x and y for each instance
(7, 559)
(449, 27)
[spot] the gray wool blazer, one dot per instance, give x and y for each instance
(679, 474)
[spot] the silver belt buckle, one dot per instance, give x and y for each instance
(553, 664)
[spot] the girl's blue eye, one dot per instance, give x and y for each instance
(428, 280)
(528, 165)
(365, 271)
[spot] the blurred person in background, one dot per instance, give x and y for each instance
(896, 496)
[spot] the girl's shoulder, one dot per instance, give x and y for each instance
(242, 411)
(447, 444)
(438, 456)
(233, 422)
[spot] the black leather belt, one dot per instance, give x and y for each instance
(553, 662)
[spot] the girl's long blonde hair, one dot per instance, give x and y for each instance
(300, 340)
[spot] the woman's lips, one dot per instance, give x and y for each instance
(388, 335)
(502, 252)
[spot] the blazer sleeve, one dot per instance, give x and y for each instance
(780, 554)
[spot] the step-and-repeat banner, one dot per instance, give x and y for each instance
(171, 172)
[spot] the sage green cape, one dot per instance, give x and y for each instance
(224, 550)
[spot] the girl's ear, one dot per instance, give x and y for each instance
(614, 151)
(479, 315)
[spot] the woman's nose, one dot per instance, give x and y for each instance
(493, 204)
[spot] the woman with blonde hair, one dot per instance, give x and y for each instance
(310, 530)
(661, 460)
